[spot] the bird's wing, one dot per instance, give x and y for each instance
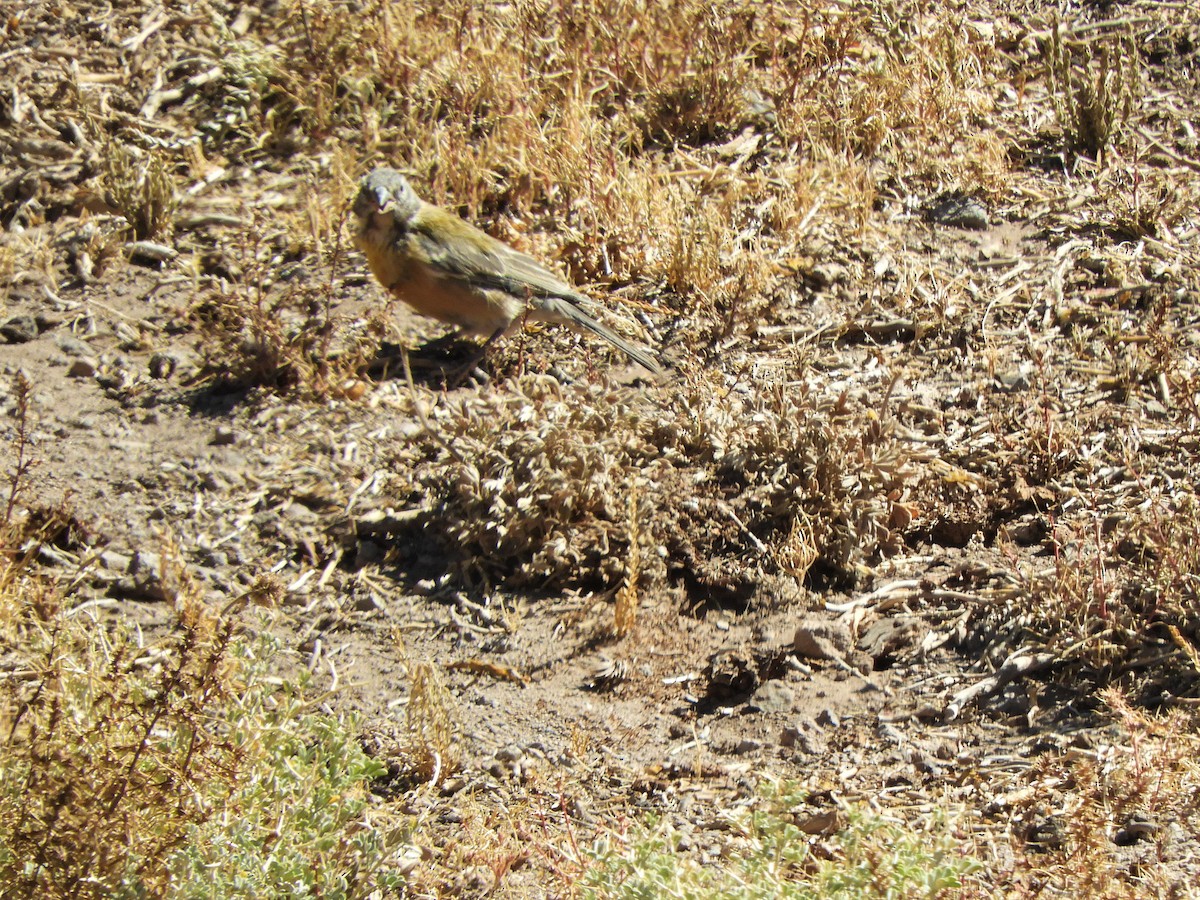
(482, 260)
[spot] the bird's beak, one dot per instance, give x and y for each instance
(383, 200)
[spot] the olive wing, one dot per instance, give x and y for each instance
(466, 253)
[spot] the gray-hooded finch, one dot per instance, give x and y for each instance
(448, 269)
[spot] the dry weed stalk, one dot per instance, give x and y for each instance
(277, 329)
(432, 749)
(625, 611)
(22, 462)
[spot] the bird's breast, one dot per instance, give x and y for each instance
(439, 295)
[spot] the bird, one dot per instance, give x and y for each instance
(446, 268)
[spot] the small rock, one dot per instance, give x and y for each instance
(144, 586)
(511, 753)
(826, 821)
(223, 436)
(148, 253)
(1012, 381)
(19, 329)
(829, 273)
(84, 367)
(959, 212)
(774, 696)
(407, 431)
(747, 745)
(72, 346)
(117, 562)
(406, 859)
(805, 736)
(816, 638)
(368, 601)
(1029, 530)
(828, 717)
(888, 639)
(163, 365)
(298, 512)
(144, 561)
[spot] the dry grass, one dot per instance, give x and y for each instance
(135, 767)
(674, 151)
(271, 325)
(1099, 821)
(745, 182)
(1094, 85)
(626, 601)
(141, 188)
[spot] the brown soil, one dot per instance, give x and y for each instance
(708, 694)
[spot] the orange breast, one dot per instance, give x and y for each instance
(440, 297)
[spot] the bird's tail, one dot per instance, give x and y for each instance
(558, 309)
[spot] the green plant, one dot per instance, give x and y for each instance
(768, 856)
(1093, 86)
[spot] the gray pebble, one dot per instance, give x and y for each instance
(117, 562)
(959, 212)
(72, 346)
(774, 696)
(19, 329)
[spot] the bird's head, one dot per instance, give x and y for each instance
(385, 193)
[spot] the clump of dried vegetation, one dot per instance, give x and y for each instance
(780, 484)
(268, 322)
(1116, 602)
(1103, 821)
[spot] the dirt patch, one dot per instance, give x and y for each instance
(846, 522)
